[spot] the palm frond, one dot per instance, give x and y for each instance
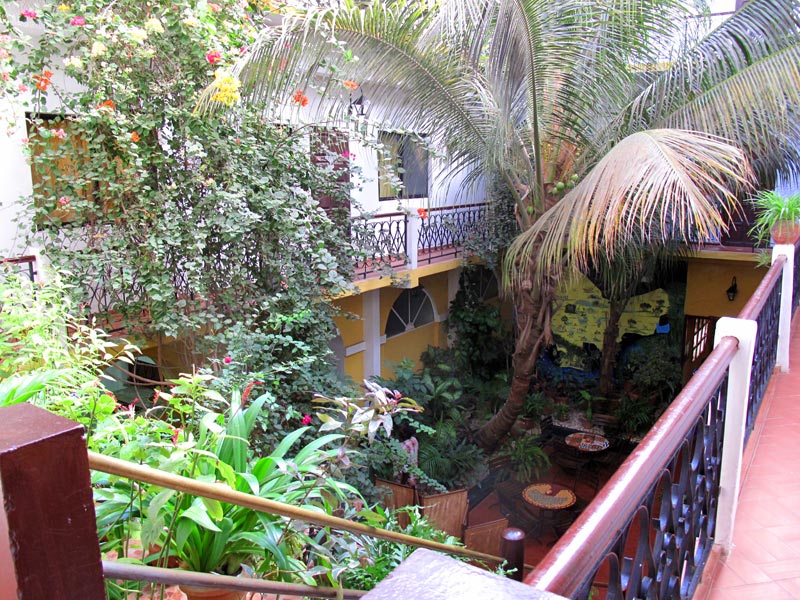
(653, 185)
(741, 82)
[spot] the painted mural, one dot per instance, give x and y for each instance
(580, 318)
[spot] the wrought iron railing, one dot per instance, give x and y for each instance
(381, 243)
(649, 531)
(764, 308)
(22, 265)
(444, 230)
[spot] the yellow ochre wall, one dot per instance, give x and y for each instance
(588, 321)
(413, 343)
(409, 345)
(708, 279)
(351, 327)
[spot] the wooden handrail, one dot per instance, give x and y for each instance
(131, 572)
(759, 298)
(20, 259)
(223, 493)
(584, 546)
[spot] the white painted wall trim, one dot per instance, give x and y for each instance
(355, 349)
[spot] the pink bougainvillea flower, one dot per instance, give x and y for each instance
(63, 201)
(60, 133)
(300, 98)
(77, 21)
(214, 7)
(423, 214)
(213, 56)
(350, 85)
(306, 419)
(28, 14)
(22, 87)
(227, 360)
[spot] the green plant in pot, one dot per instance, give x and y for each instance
(778, 217)
(526, 458)
(532, 410)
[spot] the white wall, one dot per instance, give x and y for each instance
(15, 181)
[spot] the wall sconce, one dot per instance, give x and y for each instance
(733, 290)
(359, 106)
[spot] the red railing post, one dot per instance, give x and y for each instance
(48, 536)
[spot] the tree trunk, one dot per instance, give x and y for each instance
(531, 310)
(610, 346)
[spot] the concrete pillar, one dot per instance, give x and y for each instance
(785, 319)
(372, 332)
(735, 419)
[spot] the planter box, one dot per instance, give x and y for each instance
(447, 511)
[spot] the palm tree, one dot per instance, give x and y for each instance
(538, 92)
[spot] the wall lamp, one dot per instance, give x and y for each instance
(732, 290)
(359, 106)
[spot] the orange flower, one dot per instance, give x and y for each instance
(135, 137)
(423, 214)
(350, 85)
(43, 80)
(300, 98)
(109, 104)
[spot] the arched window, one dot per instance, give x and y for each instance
(413, 308)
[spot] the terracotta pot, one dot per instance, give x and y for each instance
(203, 593)
(785, 232)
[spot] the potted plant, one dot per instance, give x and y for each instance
(777, 217)
(526, 459)
(532, 410)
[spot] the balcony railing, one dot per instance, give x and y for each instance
(650, 530)
(400, 240)
(22, 265)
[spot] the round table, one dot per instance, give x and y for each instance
(586, 442)
(549, 496)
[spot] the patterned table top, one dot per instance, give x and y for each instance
(549, 495)
(587, 442)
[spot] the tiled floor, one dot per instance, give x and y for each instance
(765, 562)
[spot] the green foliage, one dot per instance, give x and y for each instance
(182, 223)
(654, 368)
(535, 405)
(636, 415)
(50, 358)
(482, 342)
(449, 458)
(771, 208)
(526, 458)
(381, 557)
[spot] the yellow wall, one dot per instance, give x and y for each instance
(707, 280)
(351, 327)
(588, 321)
(436, 286)
(354, 366)
(409, 345)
